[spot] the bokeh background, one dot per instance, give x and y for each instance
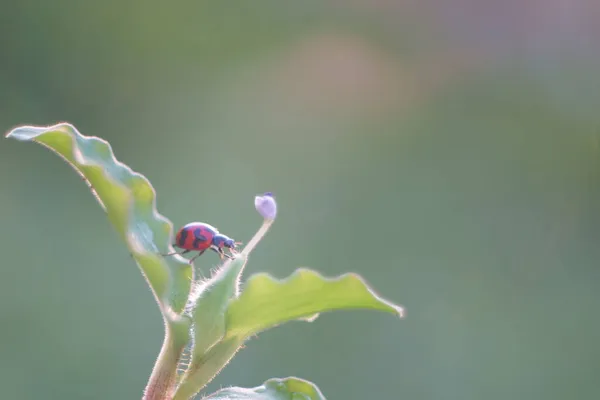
(448, 151)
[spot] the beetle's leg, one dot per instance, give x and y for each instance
(197, 255)
(223, 254)
(219, 251)
(234, 250)
(176, 252)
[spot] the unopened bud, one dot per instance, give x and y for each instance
(266, 205)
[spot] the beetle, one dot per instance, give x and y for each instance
(200, 236)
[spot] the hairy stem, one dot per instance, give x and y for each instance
(161, 384)
(202, 372)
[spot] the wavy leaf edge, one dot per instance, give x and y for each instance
(299, 274)
(118, 173)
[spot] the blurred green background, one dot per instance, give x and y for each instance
(448, 151)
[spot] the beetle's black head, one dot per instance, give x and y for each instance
(221, 240)
(229, 243)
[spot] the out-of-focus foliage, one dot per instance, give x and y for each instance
(446, 151)
(273, 389)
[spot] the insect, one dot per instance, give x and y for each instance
(199, 236)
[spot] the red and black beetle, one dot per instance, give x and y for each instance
(200, 236)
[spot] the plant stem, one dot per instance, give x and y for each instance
(257, 236)
(161, 384)
(201, 373)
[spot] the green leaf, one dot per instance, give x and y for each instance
(226, 319)
(208, 304)
(266, 302)
(130, 203)
(273, 389)
(207, 307)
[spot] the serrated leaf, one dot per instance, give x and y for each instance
(130, 204)
(274, 389)
(266, 302)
